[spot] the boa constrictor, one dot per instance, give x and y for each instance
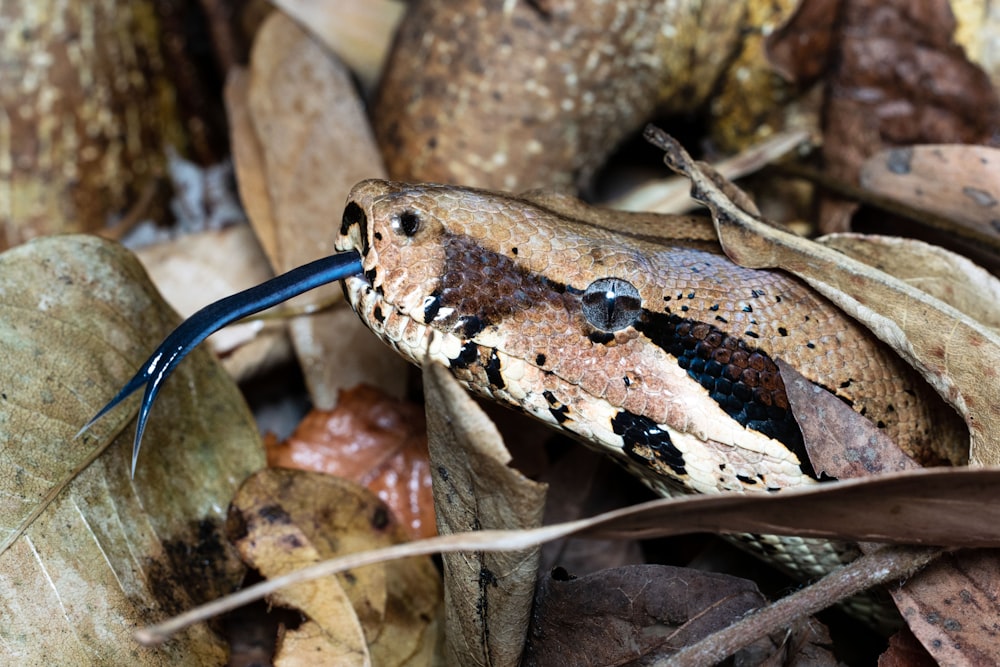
(632, 332)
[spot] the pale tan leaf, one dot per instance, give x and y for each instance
(248, 161)
(188, 273)
(359, 31)
(386, 614)
(89, 553)
(940, 273)
(315, 144)
(672, 195)
(487, 595)
(931, 335)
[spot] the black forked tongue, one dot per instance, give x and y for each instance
(215, 316)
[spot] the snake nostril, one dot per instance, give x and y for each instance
(353, 215)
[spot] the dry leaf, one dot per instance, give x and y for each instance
(307, 141)
(385, 614)
(953, 607)
(358, 31)
(583, 483)
(899, 80)
(374, 440)
(841, 443)
(89, 553)
(957, 182)
(957, 507)
(622, 615)
(920, 328)
(941, 273)
(487, 595)
(905, 651)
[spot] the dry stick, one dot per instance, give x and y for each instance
(888, 564)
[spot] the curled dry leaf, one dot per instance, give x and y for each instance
(923, 330)
(386, 614)
(487, 595)
(374, 440)
(79, 534)
(957, 182)
(301, 141)
(557, 90)
(956, 353)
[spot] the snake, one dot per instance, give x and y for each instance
(633, 333)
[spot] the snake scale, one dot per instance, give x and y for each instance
(643, 341)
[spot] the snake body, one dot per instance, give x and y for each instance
(653, 348)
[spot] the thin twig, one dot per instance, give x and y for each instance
(888, 564)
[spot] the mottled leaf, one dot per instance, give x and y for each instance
(89, 553)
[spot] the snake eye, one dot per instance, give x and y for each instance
(611, 304)
(407, 223)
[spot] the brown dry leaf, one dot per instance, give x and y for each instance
(386, 614)
(633, 613)
(905, 651)
(358, 31)
(88, 553)
(839, 441)
(931, 335)
(953, 607)
(957, 182)
(537, 95)
(487, 595)
(374, 440)
(301, 133)
(583, 483)
(899, 80)
(957, 507)
(188, 273)
(800, 49)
